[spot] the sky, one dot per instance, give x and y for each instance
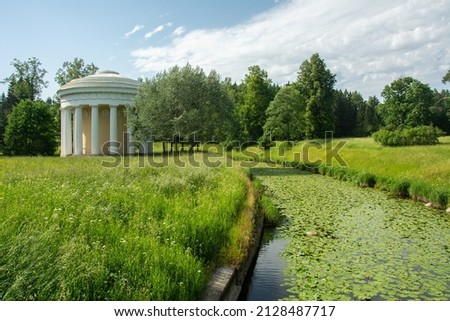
(367, 44)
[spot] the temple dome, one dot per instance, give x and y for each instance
(101, 81)
(104, 87)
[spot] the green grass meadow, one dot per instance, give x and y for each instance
(419, 172)
(92, 228)
(71, 229)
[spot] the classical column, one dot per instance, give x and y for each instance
(113, 141)
(94, 130)
(130, 141)
(63, 133)
(78, 135)
(67, 141)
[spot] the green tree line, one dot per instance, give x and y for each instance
(29, 125)
(184, 104)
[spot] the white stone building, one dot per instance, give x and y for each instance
(93, 118)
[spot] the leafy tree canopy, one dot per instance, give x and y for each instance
(73, 70)
(31, 129)
(27, 81)
(407, 102)
(257, 93)
(315, 83)
(285, 119)
(446, 78)
(181, 103)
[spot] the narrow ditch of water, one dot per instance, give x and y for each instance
(266, 282)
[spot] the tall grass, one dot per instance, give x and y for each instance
(73, 230)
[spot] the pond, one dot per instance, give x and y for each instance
(367, 245)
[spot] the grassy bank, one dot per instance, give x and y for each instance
(419, 172)
(74, 230)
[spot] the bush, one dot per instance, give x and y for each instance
(31, 129)
(422, 135)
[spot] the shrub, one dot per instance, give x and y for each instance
(422, 135)
(31, 129)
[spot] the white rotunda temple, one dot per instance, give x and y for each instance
(93, 118)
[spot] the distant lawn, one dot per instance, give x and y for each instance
(71, 229)
(426, 169)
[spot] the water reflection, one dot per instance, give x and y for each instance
(266, 282)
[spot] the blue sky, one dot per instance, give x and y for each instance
(367, 44)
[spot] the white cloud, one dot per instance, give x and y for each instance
(134, 30)
(366, 43)
(157, 29)
(179, 31)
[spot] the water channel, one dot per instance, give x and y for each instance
(266, 283)
(370, 245)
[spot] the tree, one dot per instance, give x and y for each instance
(257, 94)
(446, 78)
(345, 113)
(440, 111)
(285, 115)
(2, 120)
(407, 102)
(315, 83)
(31, 129)
(27, 81)
(367, 120)
(181, 104)
(73, 70)
(234, 92)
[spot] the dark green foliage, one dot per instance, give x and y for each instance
(257, 93)
(183, 103)
(234, 92)
(31, 129)
(345, 113)
(422, 135)
(446, 78)
(285, 115)
(440, 111)
(367, 121)
(315, 83)
(73, 70)
(265, 141)
(27, 81)
(407, 102)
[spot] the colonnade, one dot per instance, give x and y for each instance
(72, 131)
